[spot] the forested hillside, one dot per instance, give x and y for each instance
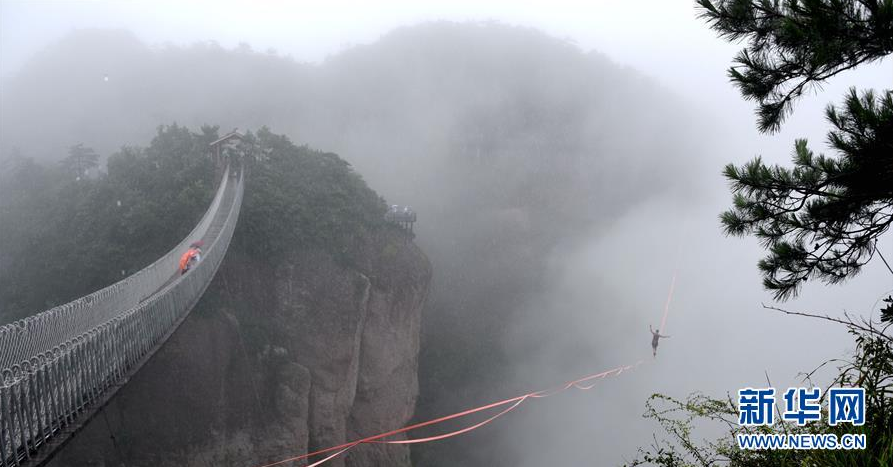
(66, 234)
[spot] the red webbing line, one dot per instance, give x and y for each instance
(515, 401)
(535, 395)
(332, 456)
(663, 321)
(398, 431)
(457, 432)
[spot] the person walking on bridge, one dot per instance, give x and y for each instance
(192, 256)
(655, 337)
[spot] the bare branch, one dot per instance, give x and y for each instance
(846, 322)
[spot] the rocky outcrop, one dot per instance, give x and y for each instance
(280, 357)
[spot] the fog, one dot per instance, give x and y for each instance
(564, 159)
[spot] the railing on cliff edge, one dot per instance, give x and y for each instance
(59, 367)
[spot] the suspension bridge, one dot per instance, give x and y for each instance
(60, 367)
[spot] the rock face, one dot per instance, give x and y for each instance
(276, 361)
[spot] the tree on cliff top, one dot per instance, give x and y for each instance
(823, 217)
(300, 198)
(80, 160)
(63, 238)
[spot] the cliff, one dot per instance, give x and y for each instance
(307, 337)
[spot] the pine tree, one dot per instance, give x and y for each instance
(821, 218)
(80, 160)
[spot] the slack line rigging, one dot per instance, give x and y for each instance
(656, 335)
(584, 383)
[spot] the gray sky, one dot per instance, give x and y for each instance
(311, 30)
(663, 38)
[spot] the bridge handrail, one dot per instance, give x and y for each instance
(22, 339)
